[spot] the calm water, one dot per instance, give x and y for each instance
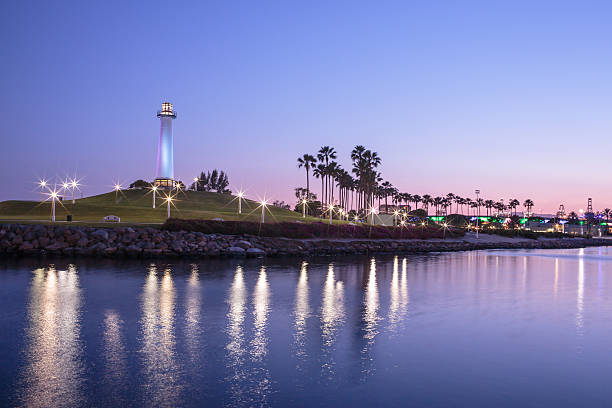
(489, 328)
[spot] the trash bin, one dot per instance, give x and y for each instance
(69, 217)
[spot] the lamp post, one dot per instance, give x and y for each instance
(42, 184)
(117, 189)
(263, 210)
(304, 201)
(74, 184)
(478, 207)
(240, 195)
(331, 211)
(395, 214)
(53, 195)
(154, 189)
(372, 211)
(196, 181)
(169, 201)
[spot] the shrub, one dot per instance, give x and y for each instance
(308, 230)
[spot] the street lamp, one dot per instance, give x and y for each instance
(263, 203)
(53, 195)
(154, 190)
(74, 185)
(117, 190)
(240, 195)
(395, 214)
(42, 183)
(196, 181)
(331, 211)
(304, 201)
(169, 201)
(372, 212)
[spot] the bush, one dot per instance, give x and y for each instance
(307, 230)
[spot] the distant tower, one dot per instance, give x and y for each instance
(164, 175)
(589, 205)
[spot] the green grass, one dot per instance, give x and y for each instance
(135, 207)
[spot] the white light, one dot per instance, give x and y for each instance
(117, 187)
(240, 194)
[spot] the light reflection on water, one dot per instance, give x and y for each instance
(54, 370)
(433, 330)
(161, 386)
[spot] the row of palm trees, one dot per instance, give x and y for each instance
(359, 189)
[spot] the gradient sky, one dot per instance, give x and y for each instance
(513, 98)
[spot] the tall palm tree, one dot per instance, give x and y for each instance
(416, 199)
(426, 200)
(319, 172)
(514, 203)
(324, 155)
(307, 161)
(528, 204)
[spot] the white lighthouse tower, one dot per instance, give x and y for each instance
(164, 175)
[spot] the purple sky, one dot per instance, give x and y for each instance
(432, 86)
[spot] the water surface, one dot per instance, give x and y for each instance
(487, 328)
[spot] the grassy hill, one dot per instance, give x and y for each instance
(135, 206)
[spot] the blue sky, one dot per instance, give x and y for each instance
(513, 98)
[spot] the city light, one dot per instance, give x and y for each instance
(154, 190)
(240, 194)
(170, 201)
(74, 186)
(372, 212)
(263, 203)
(53, 195)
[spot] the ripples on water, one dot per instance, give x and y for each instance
(496, 328)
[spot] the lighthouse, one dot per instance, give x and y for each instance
(164, 174)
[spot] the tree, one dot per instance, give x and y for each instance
(426, 200)
(306, 161)
(528, 205)
(324, 155)
(212, 181)
(140, 184)
(514, 203)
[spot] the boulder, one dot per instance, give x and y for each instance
(255, 252)
(242, 244)
(100, 234)
(56, 246)
(237, 251)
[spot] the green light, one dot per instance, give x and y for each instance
(437, 219)
(523, 220)
(581, 222)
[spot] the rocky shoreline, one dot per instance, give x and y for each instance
(66, 241)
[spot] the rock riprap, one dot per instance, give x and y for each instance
(40, 240)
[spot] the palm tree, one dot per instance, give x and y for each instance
(426, 200)
(607, 211)
(416, 199)
(528, 204)
(325, 154)
(319, 172)
(307, 161)
(514, 203)
(488, 205)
